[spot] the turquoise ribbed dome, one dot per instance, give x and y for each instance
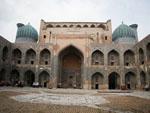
(124, 31)
(26, 31)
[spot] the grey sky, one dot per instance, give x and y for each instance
(24, 11)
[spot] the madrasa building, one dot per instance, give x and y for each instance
(82, 55)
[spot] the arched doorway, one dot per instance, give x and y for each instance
(148, 52)
(143, 79)
(130, 80)
(44, 79)
(5, 53)
(2, 75)
(114, 81)
(97, 80)
(14, 77)
(70, 68)
(29, 78)
(141, 56)
(149, 77)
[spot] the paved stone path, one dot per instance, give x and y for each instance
(57, 96)
(62, 99)
(140, 94)
(77, 97)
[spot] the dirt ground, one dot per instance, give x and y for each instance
(8, 105)
(117, 103)
(128, 103)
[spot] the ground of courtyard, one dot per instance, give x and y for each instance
(42, 100)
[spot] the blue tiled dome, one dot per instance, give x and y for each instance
(26, 32)
(124, 31)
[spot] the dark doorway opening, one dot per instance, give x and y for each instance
(29, 78)
(128, 86)
(2, 75)
(96, 86)
(45, 84)
(114, 81)
(14, 77)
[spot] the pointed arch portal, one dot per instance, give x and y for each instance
(70, 68)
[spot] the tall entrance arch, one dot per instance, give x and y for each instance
(70, 68)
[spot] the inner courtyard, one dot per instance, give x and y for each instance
(78, 55)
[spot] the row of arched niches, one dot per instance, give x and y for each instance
(97, 58)
(97, 79)
(103, 26)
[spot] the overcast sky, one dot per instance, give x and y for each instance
(24, 11)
